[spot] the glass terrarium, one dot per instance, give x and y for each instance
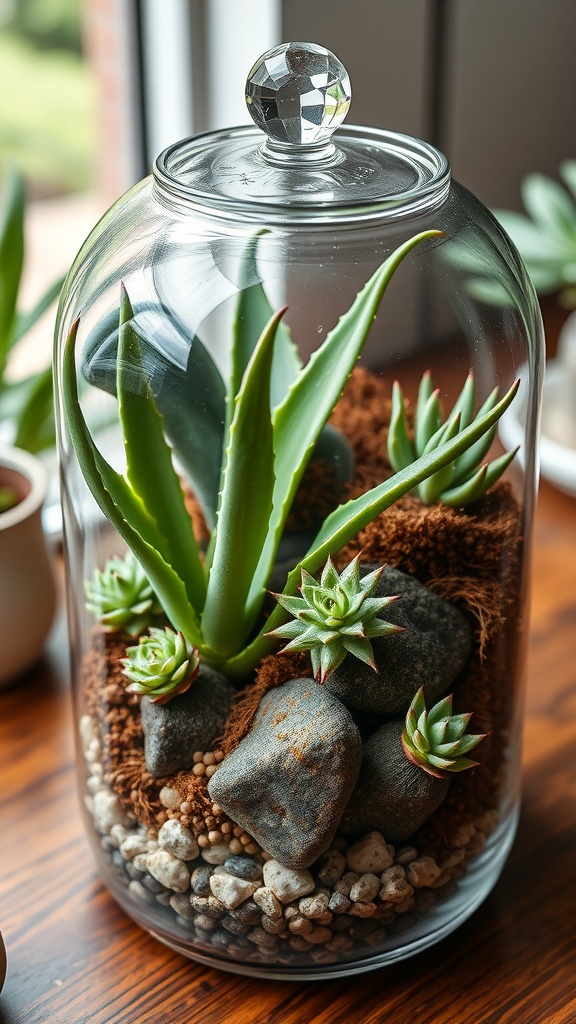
(297, 545)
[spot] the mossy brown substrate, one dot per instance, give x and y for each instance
(470, 558)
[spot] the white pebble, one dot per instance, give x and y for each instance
(94, 783)
(170, 798)
(108, 811)
(365, 889)
(133, 845)
(216, 854)
(230, 890)
(370, 854)
(266, 900)
(118, 833)
(87, 730)
(140, 892)
(178, 840)
(168, 870)
(287, 883)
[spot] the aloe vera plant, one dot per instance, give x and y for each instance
(463, 480)
(216, 600)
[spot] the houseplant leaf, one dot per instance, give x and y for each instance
(246, 502)
(11, 258)
(299, 419)
(122, 508)
(347, 520)
(149, 460)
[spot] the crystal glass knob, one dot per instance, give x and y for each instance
(298, 93)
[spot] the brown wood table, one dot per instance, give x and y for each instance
(75, 958)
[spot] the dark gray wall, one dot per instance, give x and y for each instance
(491, 82)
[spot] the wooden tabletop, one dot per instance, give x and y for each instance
(75, 958)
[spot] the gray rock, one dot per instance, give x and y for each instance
(243, 867)
(290, 778)
(174, 731)
(432, 651)
(393, 796)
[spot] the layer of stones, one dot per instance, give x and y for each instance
(354, 896)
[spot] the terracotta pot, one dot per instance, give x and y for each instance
(27, 590)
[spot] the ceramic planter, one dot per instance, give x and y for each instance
(28, 594)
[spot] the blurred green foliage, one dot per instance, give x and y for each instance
(47, 117)
(49, 24)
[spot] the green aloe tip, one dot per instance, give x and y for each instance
(435, 740)
(335, 616)
(464, 480)
(162, 665)
(121, 597)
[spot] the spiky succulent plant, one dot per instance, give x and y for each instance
(121, 596)
(161, 665)
(335, 616)
(275, 411)
(435, 739)
(463, 480)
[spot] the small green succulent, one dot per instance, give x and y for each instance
(335, 616)
(162, 665)
(464, 480)
(435, 739)
(121, 596)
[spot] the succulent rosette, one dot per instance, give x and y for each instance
(435, 741)
(121, 597)
(335, 616)
(162, 665)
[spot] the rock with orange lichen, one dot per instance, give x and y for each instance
(289, 779)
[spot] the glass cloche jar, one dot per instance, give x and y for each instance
(297, 544)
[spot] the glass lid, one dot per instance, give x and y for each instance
(298, 95)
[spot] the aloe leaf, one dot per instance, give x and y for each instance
(464, 494)
(246, 502)
(347, 520)
(400, 451)
(310, 400)
(253, 313)
(122, 508)
(464, 404)
(481, 482)
(430, 489)
(427, 422)
(149, 460)
(189, 393)
(24, 321)
(11, 258)
(470, 460)
(35, 429)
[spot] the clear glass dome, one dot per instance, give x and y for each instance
(285, 373)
